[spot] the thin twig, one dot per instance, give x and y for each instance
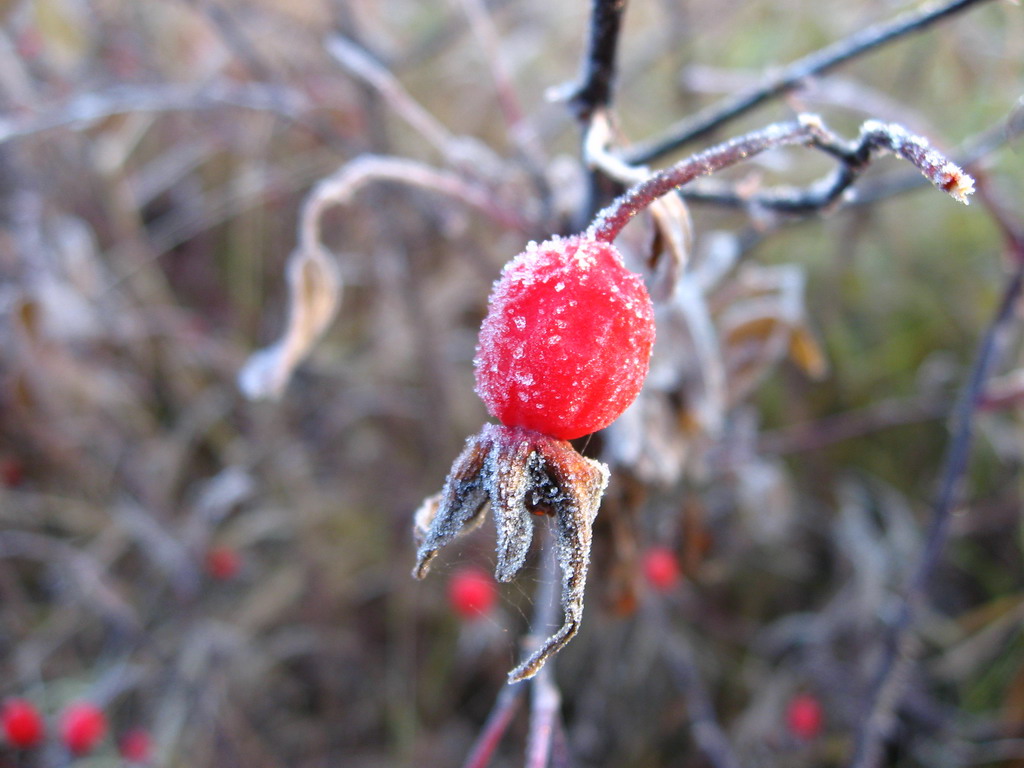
(899, 648)
(610, 221)
(830, 192)
(594, 88)
(886, 414)
(482, 25)
(545, 724)
(85, 109)
(505, 708)
(791, 77)
(547, 699)
(360, 63)
(854, 157)
(708, 734)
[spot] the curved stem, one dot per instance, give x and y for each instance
(610, 221)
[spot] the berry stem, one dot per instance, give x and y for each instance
(610, 221)
(875, 137)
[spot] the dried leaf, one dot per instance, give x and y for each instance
(805, 351)
(315, 287)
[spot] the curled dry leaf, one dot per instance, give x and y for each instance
(314, 289)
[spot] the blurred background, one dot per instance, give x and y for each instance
(232, 578)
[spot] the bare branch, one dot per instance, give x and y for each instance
(594, 88)
(87, 108)
(361, 64)
(792, 76)
(498, 720)
(547, 700)
(875, 138)
(900, 647)
(711, 739)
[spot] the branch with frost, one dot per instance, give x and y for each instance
(593, 90)
(809, 130)
(792, 76)
(876, 139)
(85, 109)
(314, 282)
(670, 214)
(546, 735)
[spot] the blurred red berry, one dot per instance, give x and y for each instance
(22, 723)
(12, 471)
(29, 44)
(471, 592)
(83, 725)
(222, 563)
(661, 569)
(804, 716)
(135, 746)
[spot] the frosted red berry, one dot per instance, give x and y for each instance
(22, 724)
(82, 726)
(135, 746)
(567, 340)
(222, 563)
(804, 716)
(661, 568)
(471, 592)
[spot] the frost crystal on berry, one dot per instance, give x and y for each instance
(566, 343)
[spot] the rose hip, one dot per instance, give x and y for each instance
(83, 725)
(22, 724)
(566, 344)
(471, 592)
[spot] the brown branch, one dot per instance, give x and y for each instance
(681, 666)
(854, 157)
(899, 646)
(594, 88)
(791, 77)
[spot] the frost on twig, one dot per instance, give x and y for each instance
(313, 276)
(808, 130)
(943, 173)
(670, 214)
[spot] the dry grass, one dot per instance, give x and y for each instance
(153, 162)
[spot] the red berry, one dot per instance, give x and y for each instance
(222, 563)
(471, 592)
(12, 471)
(804, 716)
(566, 343)
(661, 568)
(82, 726)
(22, 723)
(135, 746)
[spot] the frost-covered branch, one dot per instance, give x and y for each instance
(792, 76)
(809, 130)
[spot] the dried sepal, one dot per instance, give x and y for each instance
(509, 465)
(522, 473)
(462, 500)
(577, 484)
